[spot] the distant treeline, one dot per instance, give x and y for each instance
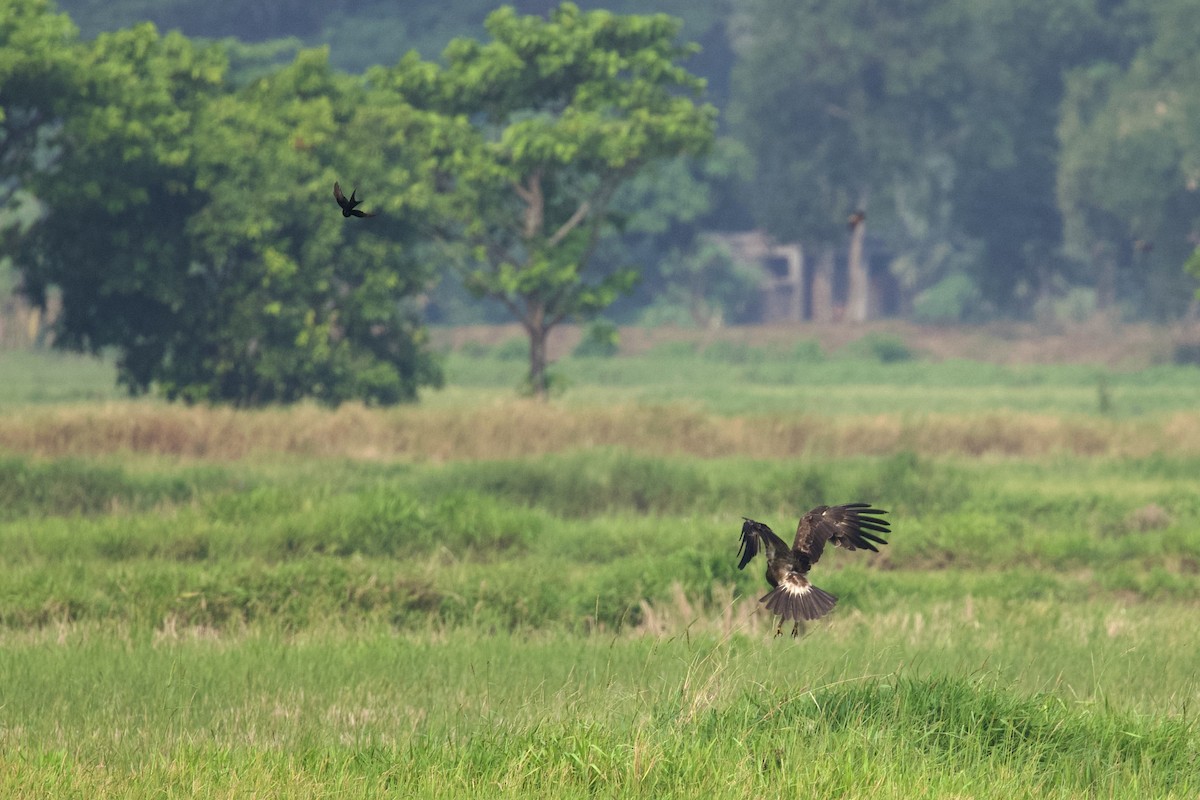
(1016, 157)
(167, 185)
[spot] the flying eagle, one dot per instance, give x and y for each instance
(348, 206)
(849, 526)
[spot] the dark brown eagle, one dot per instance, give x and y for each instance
(348, 206)
(794, 598)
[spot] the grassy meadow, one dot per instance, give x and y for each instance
(481, 596)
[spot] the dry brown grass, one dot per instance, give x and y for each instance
(519, 428)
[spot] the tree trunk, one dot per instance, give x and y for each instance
(538, 387)
(1043, 302)
(1106, 276)
(822, 285)
(858, 276)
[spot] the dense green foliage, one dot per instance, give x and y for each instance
(181, 224)
(1015, 157)
(38, 72)
(564, 112)
(183, 228)
(1130, 169)
(938, 117)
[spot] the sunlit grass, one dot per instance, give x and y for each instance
(485, 596)
(729, 380)
(775, 383)
(924, 701)
(567, 542)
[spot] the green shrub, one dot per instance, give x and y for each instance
(513, 349)
(807, 351)
(75, 487)
(886, 348)
(954, 298)
(600, 338)
(727, 352)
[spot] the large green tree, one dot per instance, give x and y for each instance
(937, 115)
(117, 200)
(562, 112)
(1129, 176)
(306, 302)
(843, 105)
(192, 228)
(39, 81)
(1004, 195)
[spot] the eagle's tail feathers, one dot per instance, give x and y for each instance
(809, 603)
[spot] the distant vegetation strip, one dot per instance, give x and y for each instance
(567, 542)
(512, 428)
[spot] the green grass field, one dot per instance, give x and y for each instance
(478, 597)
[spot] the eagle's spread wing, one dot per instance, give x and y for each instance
(849, 526)
(337, 195)
(756, 535)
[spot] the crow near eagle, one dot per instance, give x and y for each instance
(348, 205)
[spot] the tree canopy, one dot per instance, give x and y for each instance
(1129, 172)
(562, 112)
(39, 75)
(939, 114)
(192, 227)
(188, 222)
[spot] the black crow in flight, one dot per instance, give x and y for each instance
(348, 206)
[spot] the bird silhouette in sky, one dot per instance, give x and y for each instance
(852, 526)
(348, 206)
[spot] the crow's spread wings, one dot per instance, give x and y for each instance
(756, 535)
(337, 195)
(849, 526)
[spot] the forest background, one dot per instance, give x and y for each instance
(1010, 154)
(1014, 160)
